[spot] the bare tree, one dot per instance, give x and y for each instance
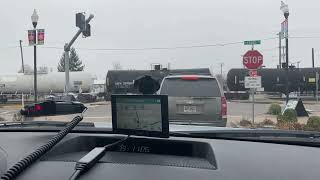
(116, 66)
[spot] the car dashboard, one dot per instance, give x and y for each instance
(146, 158)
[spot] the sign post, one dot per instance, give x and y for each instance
(252, 60)
(252, 82)
(252, 91)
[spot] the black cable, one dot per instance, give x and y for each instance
(20, 166)
(90, 159)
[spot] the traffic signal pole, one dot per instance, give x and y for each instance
(66, 55)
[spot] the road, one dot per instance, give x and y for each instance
(238, 109)
(101, 112)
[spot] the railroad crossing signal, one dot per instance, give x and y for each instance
(253, 73)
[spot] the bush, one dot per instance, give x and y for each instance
(290, 126)
(289, 116)
(268, 122)
(274, 109)
(313, 123)
(245, 123)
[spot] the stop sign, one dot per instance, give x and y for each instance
(252, 59)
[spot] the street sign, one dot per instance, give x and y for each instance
(32, 37)
(252, 59)
(40, 36)
(252, 42)
(253, 73)
(252, 82)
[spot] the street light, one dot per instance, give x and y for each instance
(285, 9)
(34, 20)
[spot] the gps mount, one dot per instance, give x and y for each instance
(146, 84)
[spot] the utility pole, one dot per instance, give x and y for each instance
(20, 41)
(221, 64)
(312, 58)
(317, 85)
(279, 49)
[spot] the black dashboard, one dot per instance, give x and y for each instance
(155, 158)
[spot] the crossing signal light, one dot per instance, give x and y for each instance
(52, 108)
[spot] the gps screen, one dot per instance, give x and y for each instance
(140, 114)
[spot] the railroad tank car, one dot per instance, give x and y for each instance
(274, 80)
(53, 82)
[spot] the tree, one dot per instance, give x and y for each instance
(116, 66)
(75, 64)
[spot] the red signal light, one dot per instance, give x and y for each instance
(38, 107)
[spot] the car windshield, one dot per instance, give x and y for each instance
(202, 87)
(223, 64)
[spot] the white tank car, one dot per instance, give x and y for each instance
(47, 83)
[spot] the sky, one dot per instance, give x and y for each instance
(127, 31)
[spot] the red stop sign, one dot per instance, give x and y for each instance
(252, 59)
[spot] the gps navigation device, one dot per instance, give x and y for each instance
(142, 115)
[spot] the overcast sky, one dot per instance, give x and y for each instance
(126, 24)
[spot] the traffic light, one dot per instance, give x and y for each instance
(87, 31)
(52, 108)
(82, 24)
(81, 21)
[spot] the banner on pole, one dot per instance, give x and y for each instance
(40, 36)
(284, 29)
(32, 37)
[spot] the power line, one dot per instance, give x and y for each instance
(150, 48)
(304, 37)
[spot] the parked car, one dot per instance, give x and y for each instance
(195, 99)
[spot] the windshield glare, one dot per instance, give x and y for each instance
(222, 63)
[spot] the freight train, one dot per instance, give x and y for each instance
(122, 81)
(274, 80)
